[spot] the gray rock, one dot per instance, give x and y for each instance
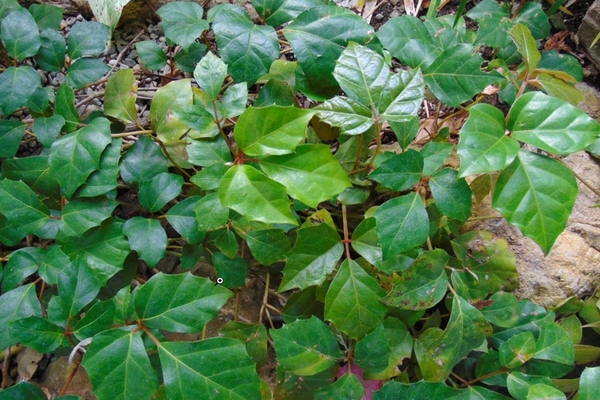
(589, 28)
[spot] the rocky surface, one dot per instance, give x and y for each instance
(589, 28)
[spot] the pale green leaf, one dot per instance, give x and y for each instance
(147, 238)
(120, 95)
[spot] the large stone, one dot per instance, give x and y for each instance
(589, 28)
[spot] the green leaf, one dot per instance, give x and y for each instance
(352, 117)
(434, 155)
(20, 34)
(233, 271)
(455, 76)
(399, 172)
(347, 387)
(118, 366)
(402, 96)
(542, 391)
(268, 245)
(405, 131)
(313, 257)
(483, 145)
(421, 286)
(151, 55)
(142, 162)
(33, 171)
(196, 117)
(78, 285)
(560, 89)
(175, 95)
(554, 61)
(438, 354)
(80, 215)
(318, 37)
(183, 218)
(75, 156)
(46, 130)
(526, 45)
(85, 71)
(18, 303)
(64, 105)
(225, 240)
(193, 302)
(352, 301)
(271, 130)
(21, 264)
(23, 391)
(372, 352)
(37, 333)
(452, 195)
(275, 93)
(97, 319)
(551, 124)
(402, 223)
(11, 134)
(423, 390)
(536, 194)
(87, 39)
(19, 204)
(518, 384)
(535, 19)
(530, 317)
(51, 54)
(517, 350)
(210, 214)
(205, 152)
(182, 22)
(104, 180)
(305, 347)
(52, 265)
(248, 49)
(366, 242)
(234, 101)
(554, 344)
(120, 95)
(186, 59)
(155, 193)
(210, 74)
(278, 12)
(493, 22)
(215, 367)
(258, 198)
(46, 16)
(311, 174)
(39, 102)
(17, 85)
(147, 237)
(588, 383)
(104, 249)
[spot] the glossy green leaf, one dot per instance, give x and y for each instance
(560, 89)
(234, 101)
(147, 237)
(248, 49)
(175, 95)
(108, 12)
(493, 23)
(37, 333)
(352, 301)
(423, 285)
(402, 223)
(193, 302)
(20, 34)
(535, 19)
(347, 387)
(21, 264)
(85, 71)
(233, 271)
(17, 85)
(536, 194)
(278, 12)
(87, 39)
(366, 242)
(104, 249)
(318, 37)
(312, 258)
(15, 304)
(518, 383)
(210, 74)
(33, 171)
(7, 7)
(210, 214)
(155, 193)
(118, 366)
(434, 155)
(456, 76)
(11, 134)
(423, 390)
(275, 93)
(551, 124)
(182, 22)
(51, 54)
(402, 96)
(205, 152)
(46, 16)
(19, 203)
(197, 118)
(46, 130)
(80, 215)
(151, 55)
(400, 344)
(552, 60)
(503, 311)
(64, 105)
(372, 352)
(483, 145)
(302, 305)
(39, 102)
(554, 344)
(311, 174)
(97, 319)
(352, 117)
(104, 180)
(52, 264)
(183, 218)
(452, 195)
(543, 391)
(120, 96)
(253, 335)
(305, 347)
(75, 156)
(225, 240)
(186, 59)
(526, 45)
(405, 131)
(142, 162)
(216, 367)
(517, 350)
(530, 317)
(255, 196)
(437, 354)
(271, 130)
(400, 172)
(588, 383)
(268, 246)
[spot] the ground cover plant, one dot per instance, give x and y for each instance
(282, 168)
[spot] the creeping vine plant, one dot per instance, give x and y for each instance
(383, 289)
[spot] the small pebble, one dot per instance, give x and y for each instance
(153, 36)
(378, 17)
(394, 14)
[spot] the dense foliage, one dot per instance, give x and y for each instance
(386, 291)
